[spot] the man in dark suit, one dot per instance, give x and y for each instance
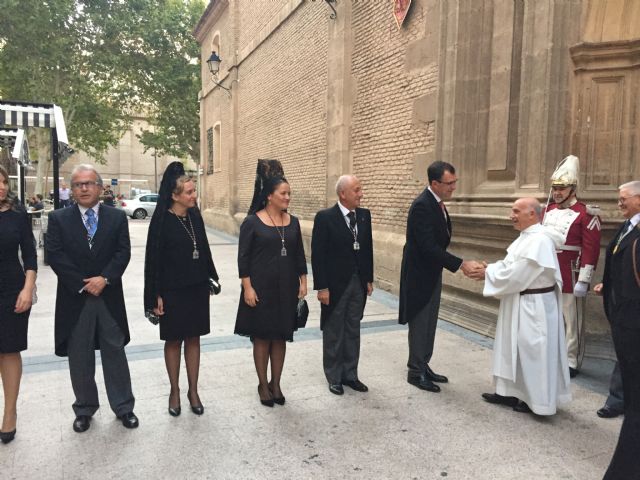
(89, 249)
(423, 259)
(342, 260)
(621, 289)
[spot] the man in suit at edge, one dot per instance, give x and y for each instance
(89, 249)
(621, 289)
(423, 259)
(342, 260)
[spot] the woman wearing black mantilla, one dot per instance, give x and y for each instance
(178, 266)
(273, 270)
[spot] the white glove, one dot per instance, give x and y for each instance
(580, 289)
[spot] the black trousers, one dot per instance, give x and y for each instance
(615, 400)
(96, 322)
(625, 463)
(422, 333)
(341, 335)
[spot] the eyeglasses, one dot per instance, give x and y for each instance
(79, 185)
(621, 200)
(449, 184)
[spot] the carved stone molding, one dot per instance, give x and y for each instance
(606, 55)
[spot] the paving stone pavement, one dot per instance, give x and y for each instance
(394, 431)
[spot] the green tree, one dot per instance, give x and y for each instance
(101, 60)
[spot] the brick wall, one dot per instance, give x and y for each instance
(384, 140)
(282, 109)
(216, 107)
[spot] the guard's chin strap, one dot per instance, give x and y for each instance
(570, 200)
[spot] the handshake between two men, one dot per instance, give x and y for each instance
(474, 269)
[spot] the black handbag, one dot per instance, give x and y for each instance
(302, 313)
(152, 317)
(214, 287)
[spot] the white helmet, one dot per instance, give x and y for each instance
(566, 175)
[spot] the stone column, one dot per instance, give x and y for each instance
(340, 93)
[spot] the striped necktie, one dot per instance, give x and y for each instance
(92, 223)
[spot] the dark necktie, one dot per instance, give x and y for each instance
(352, 221)
(92, 223)
(446, 216)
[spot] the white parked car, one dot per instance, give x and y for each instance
(140, 206)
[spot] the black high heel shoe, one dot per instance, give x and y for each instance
(197, 409)
(6, 437)
(175, 411)
(266, 403)
(278, 400)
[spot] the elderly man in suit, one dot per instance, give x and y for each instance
(342, 260)
(423, 259)
(89, 249)
(621, 289)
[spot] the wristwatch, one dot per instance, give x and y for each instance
(106, 281)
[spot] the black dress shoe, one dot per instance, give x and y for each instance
(336, 389)
(500, 400)
(129, 420)
(423, 383)
(573, 372)
(196, 408)
(608, 412)
(356, 384)
(174, 411)
(434, 377)
(522, 407)
(82, 423)
(6, 437)
(279, 400)
(268, 402)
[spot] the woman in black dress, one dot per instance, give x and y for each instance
(178, 266)
(17, 283)
(273, 270)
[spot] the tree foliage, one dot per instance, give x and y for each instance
(102, 60)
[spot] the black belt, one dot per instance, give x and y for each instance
(532, 291)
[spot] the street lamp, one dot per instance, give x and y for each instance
(214, 67)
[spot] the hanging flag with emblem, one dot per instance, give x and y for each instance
(400, 10)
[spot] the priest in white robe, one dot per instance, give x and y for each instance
(530, 367)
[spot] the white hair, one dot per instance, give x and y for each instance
(85, 167)
(633, 187)
(342, 183)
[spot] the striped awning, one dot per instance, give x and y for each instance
(15, 139)
(23, 115)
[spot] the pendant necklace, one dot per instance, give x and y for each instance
(190, 232)
(354, 232)
(283, 252)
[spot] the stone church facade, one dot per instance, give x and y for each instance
(502, 89)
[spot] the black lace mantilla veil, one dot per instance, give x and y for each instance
(266, 170)
(169, 179)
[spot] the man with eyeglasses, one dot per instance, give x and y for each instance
(88, 248)
(579, 225)
(423, 259)
(621, 289)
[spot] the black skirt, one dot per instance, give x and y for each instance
(186, 313)
(13, 326)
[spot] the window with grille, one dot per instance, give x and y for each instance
(210, 151)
